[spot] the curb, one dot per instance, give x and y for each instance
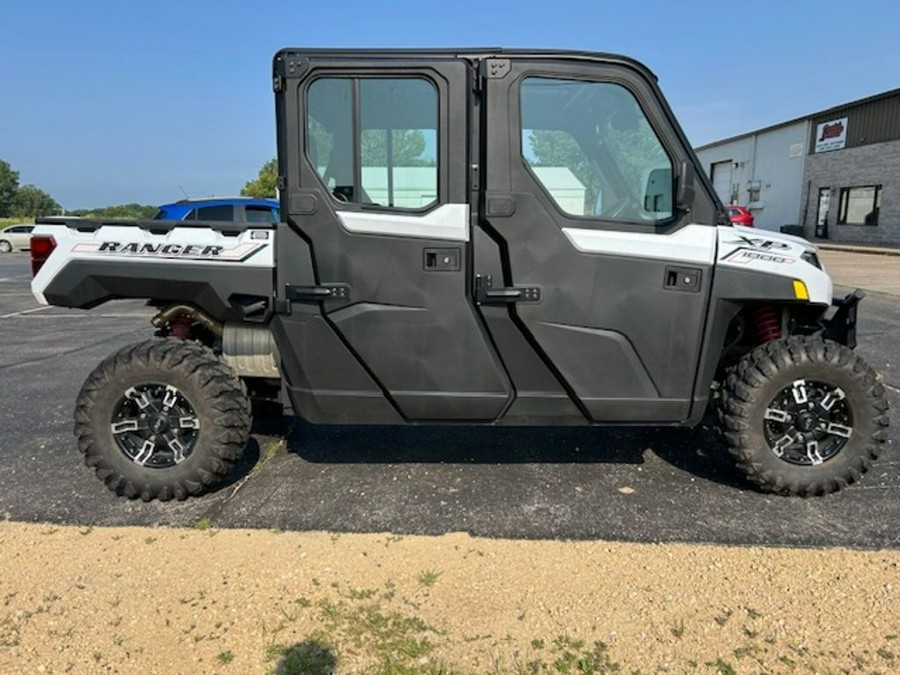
(850, 248)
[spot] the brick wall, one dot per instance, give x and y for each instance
(876, 164)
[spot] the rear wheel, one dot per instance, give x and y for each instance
(5, 246)
(803, 416)
(162, 419)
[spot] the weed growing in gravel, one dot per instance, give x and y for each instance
(9, 634)
(396, 643)
(429, 578)
(722, 667)
(310, 657)
(564, 656)
(203, 523)
(225, 657)
(678, 629)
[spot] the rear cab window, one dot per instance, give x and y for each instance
(385, 155)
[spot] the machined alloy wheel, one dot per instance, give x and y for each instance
(162, 419)
(803, 416)
(155, 426)
(808, 422)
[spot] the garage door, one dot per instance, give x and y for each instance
(721, 177)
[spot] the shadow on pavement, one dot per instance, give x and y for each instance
(699, 452)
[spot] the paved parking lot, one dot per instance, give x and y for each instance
(615, 484)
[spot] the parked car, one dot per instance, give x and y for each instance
(240, 209)
(16, 238)
(738, 215)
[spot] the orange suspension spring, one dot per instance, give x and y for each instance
(768, 327)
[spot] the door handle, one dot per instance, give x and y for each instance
(485, 294)
(318, 293)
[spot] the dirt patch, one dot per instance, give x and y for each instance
(168, 600)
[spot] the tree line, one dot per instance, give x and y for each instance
(29, 202)
(25, 201)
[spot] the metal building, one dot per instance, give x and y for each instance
(835, 172)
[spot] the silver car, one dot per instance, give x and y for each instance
(15, 238)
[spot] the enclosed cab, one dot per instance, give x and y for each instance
(477, 236)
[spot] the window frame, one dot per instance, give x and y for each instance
(441, 131)
(844, 204)
(596, 221)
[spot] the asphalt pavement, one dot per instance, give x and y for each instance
(648, 485)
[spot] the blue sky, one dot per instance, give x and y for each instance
(112, 101)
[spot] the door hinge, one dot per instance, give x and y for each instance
(277, 83)
(495, 69)
(486, 294)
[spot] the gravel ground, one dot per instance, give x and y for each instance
(165, 600)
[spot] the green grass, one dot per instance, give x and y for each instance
(429, 578)
(6, 222)
(203, 523)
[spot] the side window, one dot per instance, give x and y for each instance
(592, 148)
(388, 156)
(260, 214)
(218, 213)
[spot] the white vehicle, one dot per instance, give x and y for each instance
(444, 255)
(15, 238)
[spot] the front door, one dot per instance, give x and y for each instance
(382, 327)
(611, 281)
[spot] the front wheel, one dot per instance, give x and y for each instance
(803, 416)
(162, 419)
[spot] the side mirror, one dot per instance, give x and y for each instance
(684, 191)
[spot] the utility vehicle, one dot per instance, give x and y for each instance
(477, 236)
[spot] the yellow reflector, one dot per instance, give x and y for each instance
(800, 291)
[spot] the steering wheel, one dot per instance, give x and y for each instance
(620, 206)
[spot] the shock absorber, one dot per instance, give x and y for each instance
(181, 327)
(768, 327)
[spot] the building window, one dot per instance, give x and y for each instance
(859, 205)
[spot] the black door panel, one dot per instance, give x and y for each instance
(623, 344)
(411, 327)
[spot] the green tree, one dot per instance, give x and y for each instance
(407, 147)
(558, 148)
(119, 211)
(32, 202)
(9, 183)
(264, 185)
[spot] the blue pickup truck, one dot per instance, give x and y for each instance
(240, 209)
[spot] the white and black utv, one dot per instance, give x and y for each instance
(475, 236)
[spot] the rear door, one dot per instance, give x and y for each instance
(374, 257)
(612, 281)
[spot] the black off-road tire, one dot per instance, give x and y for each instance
(763, 376)
(201, 388)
